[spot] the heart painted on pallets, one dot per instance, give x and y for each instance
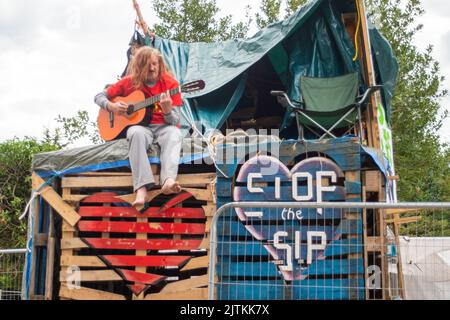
(289, 234)
(161, 227)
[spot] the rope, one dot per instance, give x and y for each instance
(357, 32)
(214, 138)
(36, 193)
(211, 147)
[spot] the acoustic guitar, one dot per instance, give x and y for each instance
(112, 126)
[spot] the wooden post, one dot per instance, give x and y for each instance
(399, 257)
(365, 241)
(35, 212)
(354, 177)
(141, 20)
(50, 257)
(373, 133)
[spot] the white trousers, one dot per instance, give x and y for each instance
(139, 139)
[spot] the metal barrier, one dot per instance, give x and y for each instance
(11, 270)
(301, 251)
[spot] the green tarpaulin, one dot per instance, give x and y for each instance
(312, 42)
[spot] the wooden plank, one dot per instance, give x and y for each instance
(69, 229)
(372, 115)
(93, 276)
(380, 216)
(40, 240)
(82, 261)
(139, 277)
(194, 294)
(67, 235)
(100, 174)
(210, 210)
(35, 212)
(103, 198)
(75, 243)
(146, 261)
(320, 289)
(66, 193)
(140, 252)
(176, 200)
(205, 243)
(137, 244)
(234, 229)
(55, 201)
(208, 225)
(399, 258)
(201, 194)
(268, 269)
(268, 194)
(87, 294)
(390, 212)
(353, 187)
(50, 267)
(372, 181)
(404, 220)
(129, 212)
(136, 227)
(187, 284)
(196, 263)
(130, 198)
(374, 244)
(187, 180)
(365, 241)
(256, 249)
(271, 214)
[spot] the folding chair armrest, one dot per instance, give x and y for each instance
(368, 93)
(284, 100)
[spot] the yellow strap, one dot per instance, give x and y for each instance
(357, 32)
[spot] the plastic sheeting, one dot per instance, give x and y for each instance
(114, 154)
(108, 155)
(426, 268)
(312, 42)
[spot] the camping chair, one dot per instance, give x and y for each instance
(328, 104)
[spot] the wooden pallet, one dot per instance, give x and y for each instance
(119, 252)
(250, 266)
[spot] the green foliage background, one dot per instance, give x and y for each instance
(422, 161)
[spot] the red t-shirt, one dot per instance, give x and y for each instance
(125, 87)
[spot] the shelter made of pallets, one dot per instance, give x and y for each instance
(87, 242)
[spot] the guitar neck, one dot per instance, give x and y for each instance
(155, 99)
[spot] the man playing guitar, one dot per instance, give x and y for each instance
(149, 73)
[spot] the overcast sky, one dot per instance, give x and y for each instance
(56, 55)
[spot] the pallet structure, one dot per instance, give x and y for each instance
(249, 267)
(109, 250)
(89, 243)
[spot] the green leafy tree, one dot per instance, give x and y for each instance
(15, 184)
(196, 21)
(72, 129)
(422, 161)
(271, 11)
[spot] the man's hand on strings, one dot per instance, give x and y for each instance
(166, 102)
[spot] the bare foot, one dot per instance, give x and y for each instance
(141, 196)
(171, 187)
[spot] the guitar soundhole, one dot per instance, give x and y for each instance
(130, 110)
